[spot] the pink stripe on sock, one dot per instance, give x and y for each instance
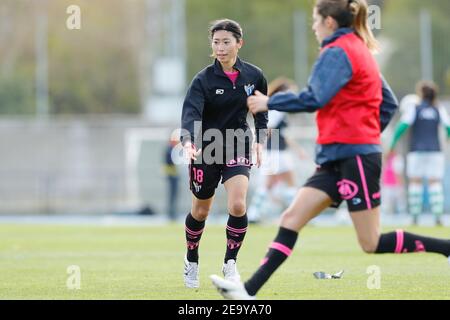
(237, 230)
(363, 181)
(264, 261)
(194, 233)
(399, 246)
(281, 247)
(419, 246)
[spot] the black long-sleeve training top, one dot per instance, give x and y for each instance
(216, 102)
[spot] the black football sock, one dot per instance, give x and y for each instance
(194, 230)
(236, 230)
(278, 252)
(404, 242)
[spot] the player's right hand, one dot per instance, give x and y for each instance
(190, 151)
(258, 102)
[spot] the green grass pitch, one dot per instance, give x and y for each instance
(147, 263)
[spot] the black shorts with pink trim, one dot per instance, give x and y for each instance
(204, 178)
(355, 180)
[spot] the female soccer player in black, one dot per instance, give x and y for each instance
(353, 106)
(217, 140)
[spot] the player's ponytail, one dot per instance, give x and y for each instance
(359, 10)
(281, 84)
(350, 14)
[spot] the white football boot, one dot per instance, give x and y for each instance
(231, 290)
(230, 271)
(191, 271)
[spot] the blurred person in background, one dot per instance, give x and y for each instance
(354, 104)
(172, 175)
(277, 176)
(393, 184)
(217, 98)
(425, 160)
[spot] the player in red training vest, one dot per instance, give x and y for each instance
(353, 104)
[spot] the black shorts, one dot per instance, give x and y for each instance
(355, 179)
(204, 178)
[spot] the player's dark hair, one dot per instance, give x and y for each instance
(227, 25)
(281, 84)
(427, 91)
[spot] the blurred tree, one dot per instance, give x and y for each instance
(17, 58)
(401, 25)
(448, 78)
(268, 32)
(95, 69)
(99, 69)
(92, 70)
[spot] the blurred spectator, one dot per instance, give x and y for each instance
(276, 188)
(171, 172)
(392, 179)
(425, 160)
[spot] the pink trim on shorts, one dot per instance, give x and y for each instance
(364, 182)
(400, 238)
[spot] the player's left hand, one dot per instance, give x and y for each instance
(258, 149)
(258, 102)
